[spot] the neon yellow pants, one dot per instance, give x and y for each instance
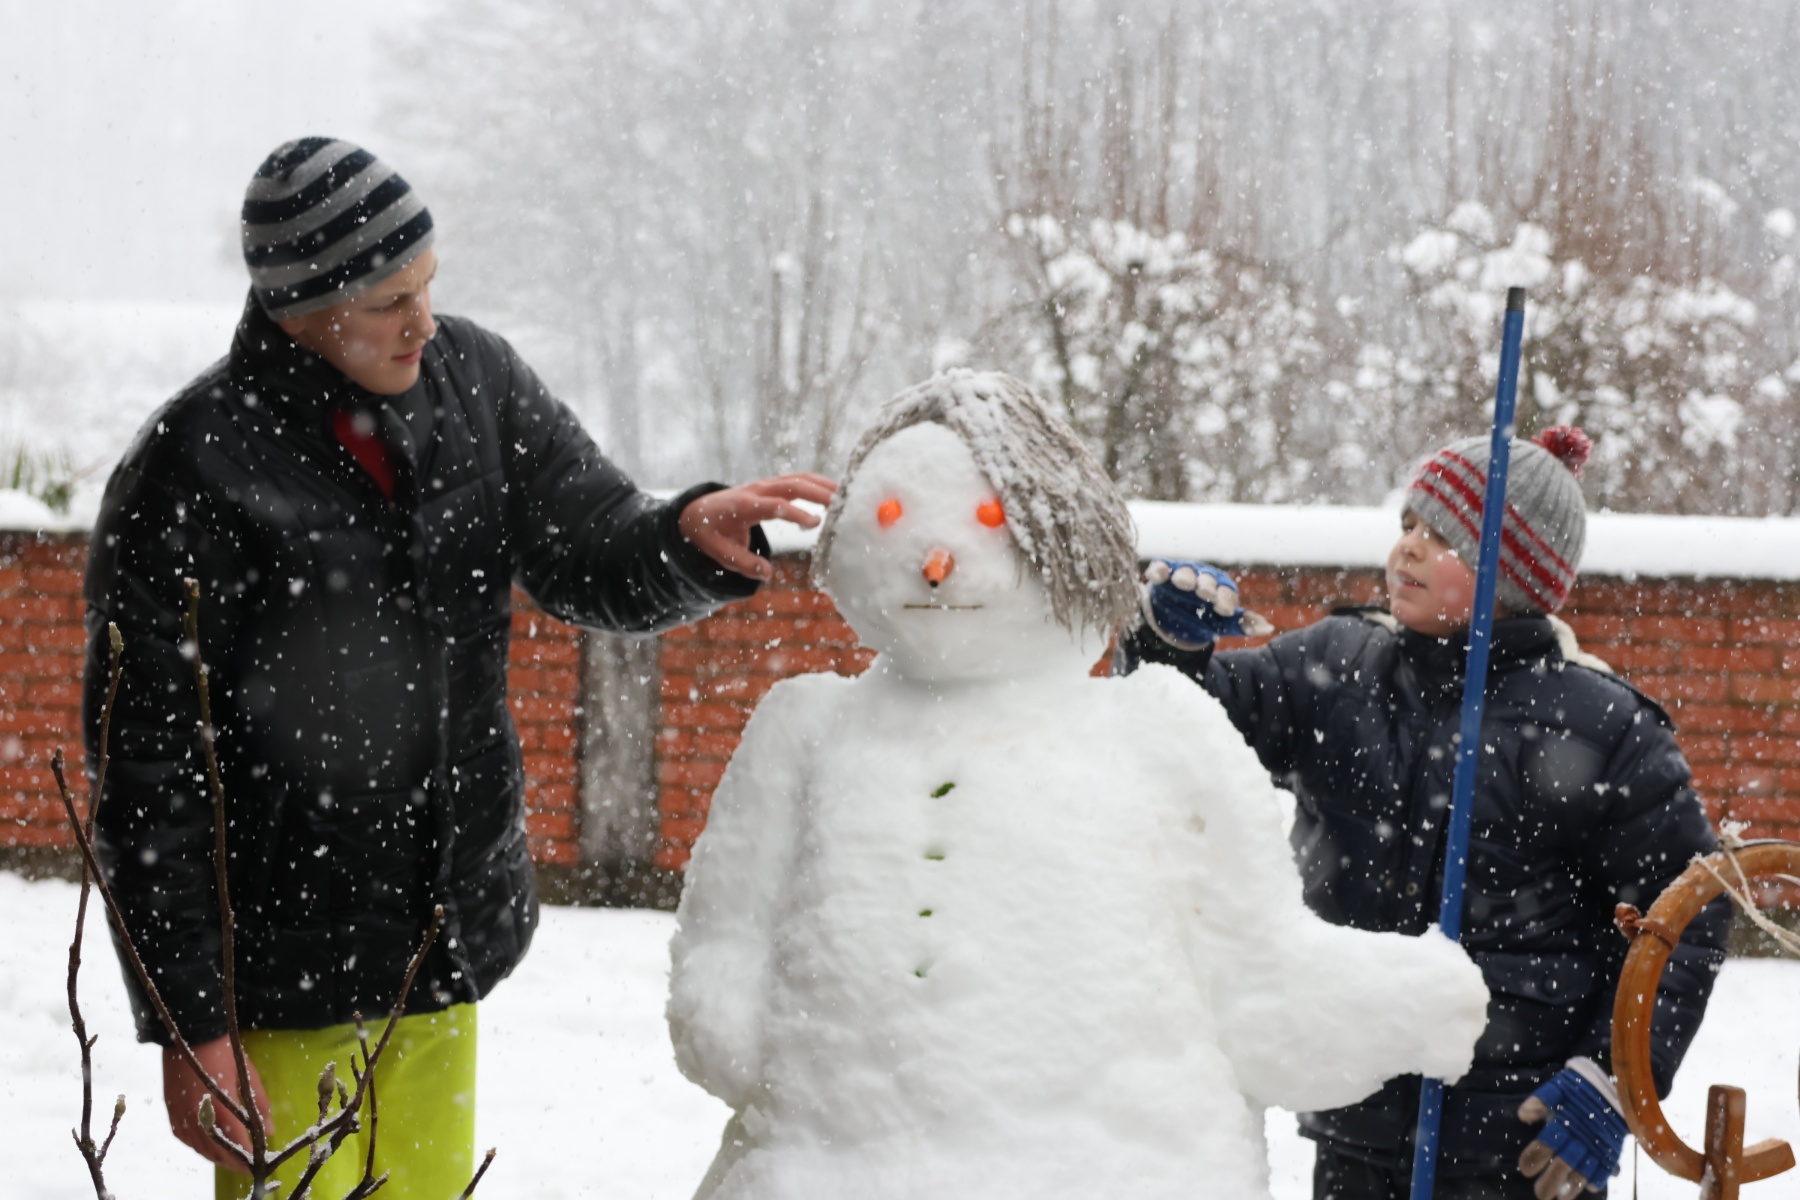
(425, 1093)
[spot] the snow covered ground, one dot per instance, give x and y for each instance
(579, 1089)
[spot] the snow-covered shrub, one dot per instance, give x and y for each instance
(1184, 367)
(1670, 376)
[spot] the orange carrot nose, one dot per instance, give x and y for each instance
(938, 565)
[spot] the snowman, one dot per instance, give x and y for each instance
(977, 924)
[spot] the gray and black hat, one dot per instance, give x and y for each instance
(1545, 529)
(324, 220)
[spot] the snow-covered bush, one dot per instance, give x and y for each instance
(1669, 375)
(1183, 366)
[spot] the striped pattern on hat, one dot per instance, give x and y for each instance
(1545, 529)
(325, 220)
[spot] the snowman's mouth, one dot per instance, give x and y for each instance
(945, 607)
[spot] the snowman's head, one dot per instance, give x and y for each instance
(974, 537)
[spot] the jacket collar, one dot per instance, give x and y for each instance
(265, 360)
(1516, 642)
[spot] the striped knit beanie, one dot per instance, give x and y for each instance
(324, 220)
(1546, 522)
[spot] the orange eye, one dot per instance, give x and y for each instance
(991, 514)
(888, 513)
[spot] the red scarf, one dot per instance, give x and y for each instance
(368, 449)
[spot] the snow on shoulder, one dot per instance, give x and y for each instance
(976, 925)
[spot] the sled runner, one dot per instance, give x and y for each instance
(1725, 1163)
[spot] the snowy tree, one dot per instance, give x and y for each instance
(1669, 376)
(699, 212)
(1181, 365)
(726, 232)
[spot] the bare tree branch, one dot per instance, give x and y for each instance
(84, 1137)
(324, 1137)
(486, 1162)
(227, 921)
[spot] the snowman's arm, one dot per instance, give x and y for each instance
(722, 949)
(1315, 1015)
(1312, 1015)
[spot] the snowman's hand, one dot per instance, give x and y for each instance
(1190, 604)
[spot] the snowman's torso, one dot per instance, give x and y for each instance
(983, 927)
(959, 929)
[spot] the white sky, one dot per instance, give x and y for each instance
(128, 131)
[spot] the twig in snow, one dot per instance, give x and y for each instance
(323, 1138)
(95, 1157)
(486, 1161)
(345, 1122)
(259, 1146)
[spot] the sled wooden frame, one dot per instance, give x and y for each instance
(1725, 1163)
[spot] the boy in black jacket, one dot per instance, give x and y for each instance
(357, 487)
(1582, 801)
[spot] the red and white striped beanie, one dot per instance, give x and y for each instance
(1546, 522)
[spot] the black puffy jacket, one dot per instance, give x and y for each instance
(1582, 801)
(357, 651)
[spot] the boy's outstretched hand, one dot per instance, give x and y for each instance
(719, 523)
(1191, 604)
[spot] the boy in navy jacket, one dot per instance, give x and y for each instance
(1582, 801)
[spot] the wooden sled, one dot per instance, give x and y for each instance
(1725, 1163)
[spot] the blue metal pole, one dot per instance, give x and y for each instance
(1468, 746)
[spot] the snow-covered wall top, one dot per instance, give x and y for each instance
(24, 513)
(1619, 544)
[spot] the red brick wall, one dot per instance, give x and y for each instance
(544, 691)
(41, 644)
(1722, 656)
(714, 672)
(41, 649)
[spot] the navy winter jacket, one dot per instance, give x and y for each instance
(1582, 801)
(357, 648)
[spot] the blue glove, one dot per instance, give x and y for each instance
(1584, 1131)
(1190, 604)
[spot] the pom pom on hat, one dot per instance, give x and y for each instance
(1569, 445)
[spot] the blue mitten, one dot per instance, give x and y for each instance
(1190, 604)
(1584, 1130)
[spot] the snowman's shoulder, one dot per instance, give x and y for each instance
(1162, 697)
(800, 702)
(1183, 731)
(818, 687)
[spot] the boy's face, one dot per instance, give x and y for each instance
(375, 338)
(1431, 590)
